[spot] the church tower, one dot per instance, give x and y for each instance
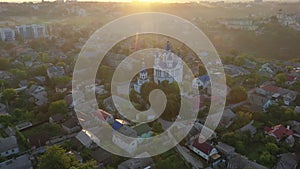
(142, 79)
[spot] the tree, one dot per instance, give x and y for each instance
(4, 64)
(238, 94)
(59, 106)
(9, 95)
(62, 80)
(272, 148)
(267, 159)
(55, 157)
(20, 74)
(280, 79)
(92, 164)
(157, 127)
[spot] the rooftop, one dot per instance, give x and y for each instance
(8, 143)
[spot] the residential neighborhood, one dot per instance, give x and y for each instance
(258, 46)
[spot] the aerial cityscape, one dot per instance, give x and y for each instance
(226, 98)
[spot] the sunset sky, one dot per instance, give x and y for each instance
(20, 1)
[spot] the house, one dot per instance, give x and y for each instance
(297, 109)
(6, 75)
(277, 93)
(7, 34)
(205, 150)
(55, 71)
(227, 118)
(40, 79)
(85, 138)
(241, 162)
(61, 88)
(39, 93)
(101, 156)
(10, 131)
(143, 131)
(279, 132)
(249, 128)
(109, 104)
(37, 140)
(69, 100)
(249, 64)
(8, 146)
(126, 143)
(201, 81)
(295, 126)
(105, 116)
(235, 71)
(57, 118)
(137, 163)
(32, 31)
(227, 150)
(269, 70)
(71, 125)
(21, 162)
(287, 160)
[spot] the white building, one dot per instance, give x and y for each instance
(168, 67)
(142, 79)
(7, 34)
(32, 31)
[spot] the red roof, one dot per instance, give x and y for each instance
(101, 114)
(279, 131)
(290, 78)
(270, 88)
(204, 147)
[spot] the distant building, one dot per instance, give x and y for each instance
(167, 67)
(21, 162)
(7, 34)
(71, 125)
(240, 23)
(55, 71)
(201, 81)
(32, 31)
(142, 79)
(8, 146)
(137, 163)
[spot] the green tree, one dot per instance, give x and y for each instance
(272, 148)
(92, 164)
(157, 127)
(9, 95)
(19, 74)
(4, 64)
(238, 94)
(62, 80)
(55, 158)
(59, 106)
(280, 79)
(267, 159)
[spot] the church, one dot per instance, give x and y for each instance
(167, 67)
